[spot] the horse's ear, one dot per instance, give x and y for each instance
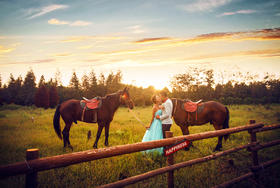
(125, 89)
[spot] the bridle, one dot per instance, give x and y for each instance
(173, 111)
(124, 96)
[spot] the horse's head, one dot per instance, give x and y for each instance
(125, 98)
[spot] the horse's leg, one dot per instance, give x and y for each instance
(220, 138)
(65, 133)
(107, 126)
(100, 128)
(185, 131)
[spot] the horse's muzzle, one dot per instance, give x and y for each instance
(130, 105)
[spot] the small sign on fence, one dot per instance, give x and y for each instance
(176, 147)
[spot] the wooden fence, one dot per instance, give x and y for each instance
(33, 164)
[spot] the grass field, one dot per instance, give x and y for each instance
(18, 132)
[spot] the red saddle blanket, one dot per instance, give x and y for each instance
(190, 106)
(92, 103)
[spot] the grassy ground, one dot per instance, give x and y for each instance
(18, 132)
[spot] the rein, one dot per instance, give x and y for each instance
(173, 111)
(135, 116)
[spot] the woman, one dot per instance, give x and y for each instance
(154, 131)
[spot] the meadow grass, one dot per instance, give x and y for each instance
(22, 128)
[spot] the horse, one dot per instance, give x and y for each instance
(214, 112)
(71, 111)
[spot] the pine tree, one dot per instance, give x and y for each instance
(53, 96)
(11, 90)
(58, 78)
(85, 86)
(42, 81)
(42, 97)
(75, 86)
(74, 82)
(92, 84)
(29, 88)
(18, 87)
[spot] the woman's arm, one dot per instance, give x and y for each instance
(153, 116)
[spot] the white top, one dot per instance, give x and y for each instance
(166, 117)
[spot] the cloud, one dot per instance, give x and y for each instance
(203, 5)
(258, 53)
(63, 54)
(4, 50)
(44, 10)
(85, 47)
(136, 29)
(248, 11)
(54, 21)
(96, 38)
(263, 34)
(40, 61)
(80, 23)
(278, 14)
(146, 40)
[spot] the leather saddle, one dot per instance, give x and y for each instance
(90, 105)
(190, 106)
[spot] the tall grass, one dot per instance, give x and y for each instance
(23, 128)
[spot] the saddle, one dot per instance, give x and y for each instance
(91, 105)
(190, 106)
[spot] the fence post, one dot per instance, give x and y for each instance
(170, 161)
(254, 139)
(31, 178)
(255, 158)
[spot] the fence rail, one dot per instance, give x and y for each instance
(32, 165)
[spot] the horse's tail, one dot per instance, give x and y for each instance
(226, 122)
(56, 124)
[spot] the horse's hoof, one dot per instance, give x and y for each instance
(71, 147)
(217, 149)
(94, 146)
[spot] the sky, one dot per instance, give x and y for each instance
(148, 41)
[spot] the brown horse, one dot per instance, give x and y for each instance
(71, 111)
(213, 112)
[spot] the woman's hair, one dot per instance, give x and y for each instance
(154, 99)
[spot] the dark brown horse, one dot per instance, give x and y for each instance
(71, 111)
(213, 112)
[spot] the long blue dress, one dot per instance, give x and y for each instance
(154, 133)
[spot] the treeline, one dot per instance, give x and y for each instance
(49, 93)
(243, 89)
(195, 84)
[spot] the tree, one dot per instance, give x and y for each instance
(85, 86)
(29, 88)
(75, 86)
(42, 81)
(101, 89)
(58, 78)
(42, 97)
(92, 84)
(11, 90)
(74, 82)
(53, 96)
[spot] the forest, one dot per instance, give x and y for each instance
(194, 84)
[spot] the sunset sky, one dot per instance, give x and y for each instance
(149, 41)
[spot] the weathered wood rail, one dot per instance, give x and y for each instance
(32, 165)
